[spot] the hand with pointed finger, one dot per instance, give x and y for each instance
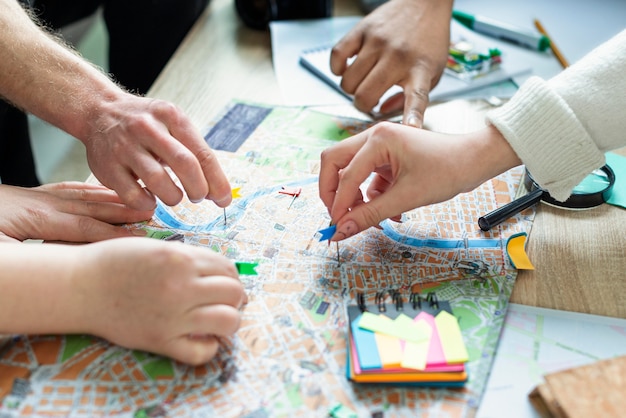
(401, 42)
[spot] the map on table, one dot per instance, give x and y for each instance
(289, 356)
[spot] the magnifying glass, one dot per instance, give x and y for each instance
(594, 190)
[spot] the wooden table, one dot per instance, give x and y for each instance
(579, 257)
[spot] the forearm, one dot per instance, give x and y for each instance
(37, 296)
(560, 129)
(44, 77)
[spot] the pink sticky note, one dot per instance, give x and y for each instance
(436, 356)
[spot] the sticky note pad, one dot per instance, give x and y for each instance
(451, 338)
(366, 348)
(515, 248)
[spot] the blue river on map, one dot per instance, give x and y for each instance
(236, 211)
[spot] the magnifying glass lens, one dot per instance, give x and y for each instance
(595, 182)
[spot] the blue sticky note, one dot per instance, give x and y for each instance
(366, 348)
(327, 233)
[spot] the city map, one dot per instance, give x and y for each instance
(288, 358)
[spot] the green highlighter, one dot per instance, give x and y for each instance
(503, 31)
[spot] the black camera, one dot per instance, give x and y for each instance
(258, 14)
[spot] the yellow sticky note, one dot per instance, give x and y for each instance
(515, 248)
(410, 330)
(416, 353)
(235, 192)
(389, 350)
(402, 327)
(451, 338)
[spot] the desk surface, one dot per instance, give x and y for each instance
(578, 256)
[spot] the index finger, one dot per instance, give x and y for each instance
(416, 99)
(347, 47)
(332, 161)
(364, 162)
(202, 177)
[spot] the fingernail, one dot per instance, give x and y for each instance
(345, 230)
(139, 232)
(196, 200)
(411, 120)
(223, 201)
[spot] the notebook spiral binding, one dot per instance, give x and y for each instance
(416, 303)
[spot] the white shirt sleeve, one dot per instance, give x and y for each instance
(561, 129)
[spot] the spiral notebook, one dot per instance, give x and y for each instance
(415, 342)
(317, 61)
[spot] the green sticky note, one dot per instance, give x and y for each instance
(246, 268)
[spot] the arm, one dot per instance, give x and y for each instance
(69, 211)
(164, 297)
(562, 128)
(402, 42)
(413, 168)
(127, 137)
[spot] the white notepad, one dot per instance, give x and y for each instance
(317, 61)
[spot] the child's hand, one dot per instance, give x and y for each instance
(164, 297)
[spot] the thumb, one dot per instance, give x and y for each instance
(366, 215)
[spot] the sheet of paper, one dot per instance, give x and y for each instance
(536, 341)
(289, 39)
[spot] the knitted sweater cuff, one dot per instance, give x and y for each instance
(546, 135)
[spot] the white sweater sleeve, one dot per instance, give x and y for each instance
(561, 129)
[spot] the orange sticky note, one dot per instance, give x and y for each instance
(515, 248)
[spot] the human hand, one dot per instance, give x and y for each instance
(136, 137)
(163, 297)
(401, 42)
(412, 168)
(68, 211)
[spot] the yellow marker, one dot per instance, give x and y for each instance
(515, 248)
